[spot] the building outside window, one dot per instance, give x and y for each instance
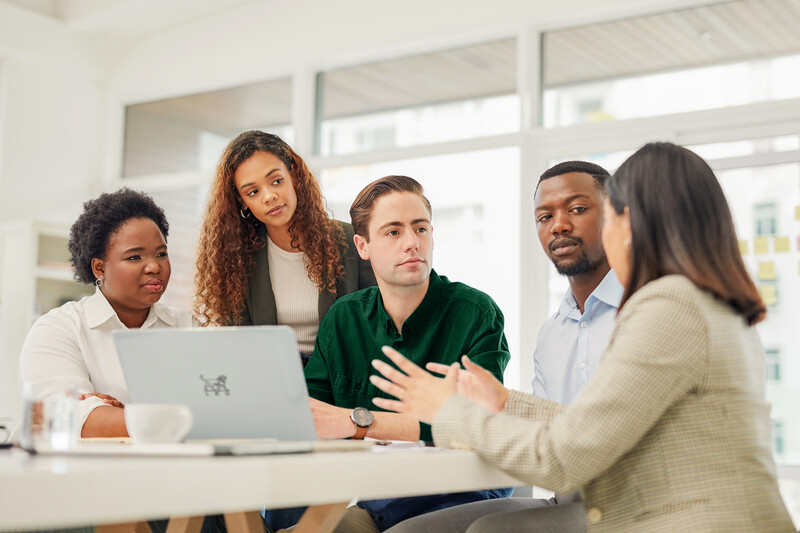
(773, 364)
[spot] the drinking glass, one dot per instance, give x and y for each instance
(49, 419)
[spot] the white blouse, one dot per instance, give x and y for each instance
(72, 346)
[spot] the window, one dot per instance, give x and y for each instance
(184, 210)
(765, 219)
(777, 437)
(764, 200)
(657, 64)
(773, 364)
(441, 96)
(188, 133)
(747, 147)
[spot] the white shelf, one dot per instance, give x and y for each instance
(34, 278)
(54, 273)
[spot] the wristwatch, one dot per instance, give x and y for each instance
(363, 419)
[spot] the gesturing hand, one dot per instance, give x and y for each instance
(477, 384)
(419, 394)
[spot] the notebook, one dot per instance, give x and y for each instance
(244, 385)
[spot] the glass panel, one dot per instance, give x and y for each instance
(708, 57)
(773, 365)
(184, 214)
(189, 133)
(423, 125)
(475, 220)
(720, 150)
(765, 202)
(452, 94)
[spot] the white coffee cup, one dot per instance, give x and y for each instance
(150, 422)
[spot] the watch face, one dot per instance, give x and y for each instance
(362, 417)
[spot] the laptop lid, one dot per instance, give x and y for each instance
(239, 382)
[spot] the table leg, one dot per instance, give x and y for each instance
(321, 518)
(192, 524)
(246, 522)
(131, 527)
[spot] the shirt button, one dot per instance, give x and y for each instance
(594, 515)
(582, 366)
(584, 324)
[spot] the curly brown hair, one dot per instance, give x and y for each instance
(225, 255)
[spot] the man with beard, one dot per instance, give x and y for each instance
(568, 205)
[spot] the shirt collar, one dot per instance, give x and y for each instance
(416, 321)
(609, 291)
(99, 311)
(164, 313)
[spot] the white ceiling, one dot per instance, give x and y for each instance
(124, 18)
(43, 7)
(481, 70)
(710, 34)
(718, 33)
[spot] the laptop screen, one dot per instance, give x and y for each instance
(239, 382)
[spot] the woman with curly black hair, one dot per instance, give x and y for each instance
(119, 244)
(269, 253)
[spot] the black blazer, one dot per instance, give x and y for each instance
(260, 301)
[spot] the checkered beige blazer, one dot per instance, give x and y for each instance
(671, 434)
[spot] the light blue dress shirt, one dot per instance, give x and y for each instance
(570, 345)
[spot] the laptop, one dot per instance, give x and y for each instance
(244, 385)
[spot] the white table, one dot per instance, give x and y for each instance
(49, 492)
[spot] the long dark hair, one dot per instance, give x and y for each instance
(681, 224)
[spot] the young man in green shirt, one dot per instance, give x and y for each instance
(414, 310)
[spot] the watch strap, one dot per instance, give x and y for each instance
(361, 432)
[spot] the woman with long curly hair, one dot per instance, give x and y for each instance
(269, 253)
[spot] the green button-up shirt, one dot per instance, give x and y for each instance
(452, 320)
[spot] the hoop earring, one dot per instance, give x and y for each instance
(99, 282)
(242, 213)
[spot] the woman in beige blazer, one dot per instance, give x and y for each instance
(673, 431)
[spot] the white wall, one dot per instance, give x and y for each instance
(53, 101)
(53, 104)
